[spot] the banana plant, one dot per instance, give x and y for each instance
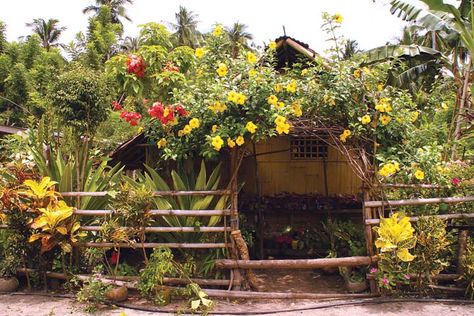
(181, 181)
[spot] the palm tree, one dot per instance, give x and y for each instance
(238, 38)
(186, 28)
(130, 44)
(350, 49)
(117, 8)
(48, 31)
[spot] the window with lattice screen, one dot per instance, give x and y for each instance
(308, 148)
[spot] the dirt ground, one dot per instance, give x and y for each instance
(26, 305)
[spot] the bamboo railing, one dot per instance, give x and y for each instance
(372, 210)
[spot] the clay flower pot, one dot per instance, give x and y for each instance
(117, 294)
(356, 286)
(9, 284)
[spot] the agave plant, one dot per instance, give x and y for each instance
(65, 173)
(181, 181)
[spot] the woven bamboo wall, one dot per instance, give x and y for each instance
(277, 172)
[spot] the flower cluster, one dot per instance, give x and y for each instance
(345, 134)
(193, 124)
(237, 98)
(116, 106)
(131, 117)
(136, 65)
(389, 169)
(383, 106)
(171, 67)
(166, 114)
(282, 126)
(217, 107)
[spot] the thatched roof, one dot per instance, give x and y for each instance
(289, 51)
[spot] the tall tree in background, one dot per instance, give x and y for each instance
(238, 38)
(350, 49)
(186, 33)
(117, 9)
(48, 31)
(130, 44)
(3, 36)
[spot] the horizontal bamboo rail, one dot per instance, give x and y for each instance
(296, 263)
(439, 277)
(132, 279)
(151, 245)
(156, 193)
(450, 200)
(417, 218)
(159, 212)
(202, 229)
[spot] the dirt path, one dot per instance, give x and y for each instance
(26, 305)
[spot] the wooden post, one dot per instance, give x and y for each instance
(462, 245)
(234, 215)
(367, 214)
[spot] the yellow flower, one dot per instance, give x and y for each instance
(218, 107)
(414, 116)
(251, 127)
(444, 106)
(389, 169)
(280, 105)
(280, 120)
(304, 72)
(230, 143)
(187, 129)
(217, 142)
(365, 119)
(278, 87)
(291, 87)
(174, 122)
(252, 73)
(221, 69)
(380, 87)
(162, 143)
(295, 107)
(419, 174)
(194, 123)
(217, 30)
(180, 133)
(240, 140)
(357, 73)
(366, 70)
(200, 52)
(273, 100)
(344, 135)
(338, 18)
(329, 100)
(251, 58)
(232, 96)
(283, 128)
(385, 119)
(214, 128)
(241, 98)
(272, 45)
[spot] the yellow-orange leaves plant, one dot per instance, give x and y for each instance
(56, 226)
(395, 239)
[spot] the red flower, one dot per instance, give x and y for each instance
(455, 181)
(164, 114)
(181, 110)
(136, 65)
(116, 106)
(114, 257)
(131, 117)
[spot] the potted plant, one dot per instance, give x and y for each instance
(8, 280)
(356, 281)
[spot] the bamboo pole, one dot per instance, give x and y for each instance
(462, 248)
(296, 263)
(159, 212)
(439, 277)
(151, 245)
(156, 193)
(369, 239)
(450, 200)
(279, 295)
(417, 218)
(234, 215)
(201, 229)
(132, 279)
